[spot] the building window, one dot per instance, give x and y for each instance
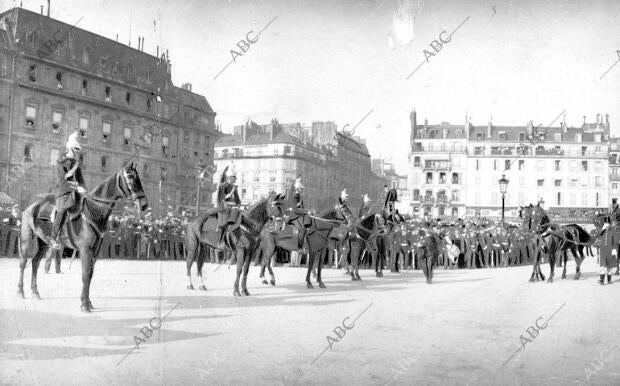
(54, 156)
(507, 164)
(598, 181)
(442, 178)
(559, 199)
(558, 183)
(108, 94)
(83, 125)
(104, 163)
(455, 195)
(59, 80)
(28, 150)
(455, 178)
(584, 166)
(416, 162)
(557, 165)
(85, 58)
(477, 164)
(185, 136)
(573, 182)
(127, 135)
(584, 150)
(494, 164)
(31, 116)
(128, 98)
(521, 163)
(165, 142)
(106, 128)
(540, 182)
(57, 116)
(614, 185)
(598, 197)
(598, 165)
(429, 178)
(84, 87)
(32, 73)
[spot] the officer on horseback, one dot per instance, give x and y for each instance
(615, 210)
(391, 197)
(228, 204)
(70, 184)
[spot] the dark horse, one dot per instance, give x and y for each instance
(241, 238)
(552, 239)
(82, 230)
(315, 232)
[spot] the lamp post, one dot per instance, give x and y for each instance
(503, 185)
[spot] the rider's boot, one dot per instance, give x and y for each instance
(608, 279)
(220, 243)
(601, 280)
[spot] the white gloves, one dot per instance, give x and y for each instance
(81, 190)
(614, 252)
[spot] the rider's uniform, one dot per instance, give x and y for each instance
(69, 178)
(228, 206)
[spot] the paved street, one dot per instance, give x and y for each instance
(459, 330)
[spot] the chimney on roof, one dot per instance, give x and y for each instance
(489, 127)
(530, 127)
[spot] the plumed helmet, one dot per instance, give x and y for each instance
(298, 185)
(343, 195)
(72, 142)
(366, 199)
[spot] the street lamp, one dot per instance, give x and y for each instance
(503, 185)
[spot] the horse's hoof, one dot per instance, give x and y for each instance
(20, 294)
(236, 292)
(550, 280)
(265, 282)
(309, 285)
(35, 294)
(245, 292)
(321, 284)
(272, 282)
(353, 278)
(577, 276)
(202, 288)
(90, 305)
(563, 276)
(85, 308)
(190, 287)
(357, 277)
(617, 273)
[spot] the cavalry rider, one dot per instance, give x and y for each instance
(70, 184)
(296, 210)
(390, 198)
(228, 204)
(365, 208)
(539, 216)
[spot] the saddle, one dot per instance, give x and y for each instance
(47, 209)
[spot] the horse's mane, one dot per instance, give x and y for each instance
(258, 211)
(330, 214)
(368, 222)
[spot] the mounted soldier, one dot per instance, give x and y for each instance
(365, 208)
(228, 204)
(70, 187)
(391, 197)
(615, 210)
(297, 210)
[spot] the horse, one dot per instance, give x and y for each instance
(309, 230)
(368, 230)
(241, 238)
(82, 230)
(552, 239)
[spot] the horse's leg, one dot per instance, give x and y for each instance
(355, 258)
(564, 259)
(23, 260)
(247, 258)
(199, 263)
(321, 257)
(35, 267)
(552, 257)
(191, 248)
(239, 270)
(88, 262)
(310, 265)
(578, 260)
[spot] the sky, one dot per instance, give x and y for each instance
(327, 60)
